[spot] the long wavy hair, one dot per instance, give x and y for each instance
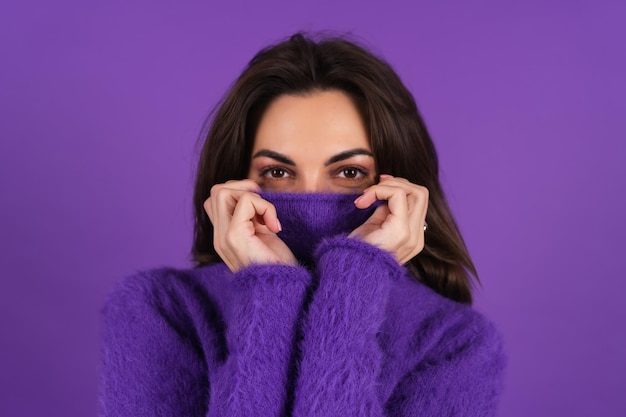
(398, 138)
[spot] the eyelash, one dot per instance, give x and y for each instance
(360, 170)
(263, 173)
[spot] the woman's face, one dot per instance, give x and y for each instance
(312, 143)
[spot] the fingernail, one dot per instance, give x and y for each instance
(280, 228)
(385, 176)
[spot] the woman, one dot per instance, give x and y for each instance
(331, 278)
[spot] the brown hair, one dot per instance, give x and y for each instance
(398, 137)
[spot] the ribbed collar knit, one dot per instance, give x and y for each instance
(308, 218)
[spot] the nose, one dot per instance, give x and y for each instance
(312, 183)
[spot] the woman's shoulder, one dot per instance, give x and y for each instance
(432, 322)
(167, 291)
(153, 282)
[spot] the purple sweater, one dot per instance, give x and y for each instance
(352, 334)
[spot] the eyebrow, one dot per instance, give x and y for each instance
(347, 154)
(274, 155)
(333, 159)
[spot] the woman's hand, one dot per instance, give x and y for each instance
(398, 226)
(245, 226)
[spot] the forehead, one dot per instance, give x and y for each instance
(327, 120)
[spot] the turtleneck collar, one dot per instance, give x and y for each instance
(308, 218)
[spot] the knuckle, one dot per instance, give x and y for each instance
(270, 208)
(246, 198)
(216, 189)
(404, 235)
(209, 212)
(230, 239)
(220, 193)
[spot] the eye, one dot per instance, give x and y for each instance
(275, 173)
(352, 173)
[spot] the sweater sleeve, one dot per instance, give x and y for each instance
(261, 325)
(152, 360)
(173, 347)
(341, 358)
(461, 377)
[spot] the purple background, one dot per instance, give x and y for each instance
(101, 103)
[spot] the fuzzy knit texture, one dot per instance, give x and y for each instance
(352, 334)
(308, 218)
